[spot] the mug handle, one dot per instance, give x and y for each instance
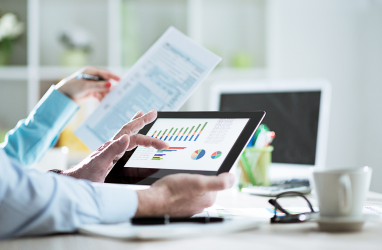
(345, 194)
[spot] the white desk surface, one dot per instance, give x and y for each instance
(280, 237)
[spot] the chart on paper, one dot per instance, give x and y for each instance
(196, 144)
(162, 79)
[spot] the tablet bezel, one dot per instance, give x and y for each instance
(147, 176)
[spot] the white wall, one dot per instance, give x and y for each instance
(340, 40)
(57, 16)
(371, 89)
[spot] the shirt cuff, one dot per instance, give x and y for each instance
(118, 202)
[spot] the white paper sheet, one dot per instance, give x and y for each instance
(162, 79)
(171, 231)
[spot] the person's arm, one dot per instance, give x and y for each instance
(32, 203)
(31, 138)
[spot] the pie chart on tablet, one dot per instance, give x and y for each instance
(196, 155)
(216, 154)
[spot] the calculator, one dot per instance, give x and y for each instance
(278, 188)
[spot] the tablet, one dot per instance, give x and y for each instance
(200, 143)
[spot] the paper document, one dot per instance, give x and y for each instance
(170, 231)
(162, 79)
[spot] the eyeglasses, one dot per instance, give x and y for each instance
(288, 217)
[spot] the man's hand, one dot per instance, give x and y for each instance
(181, 194)
(78, 89)
(96, 166)
(139, 120)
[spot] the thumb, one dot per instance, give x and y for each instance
(220, 182)
(115, 148)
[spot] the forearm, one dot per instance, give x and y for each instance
(32, 137)
(32, 203)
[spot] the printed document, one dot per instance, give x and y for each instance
(162, 79)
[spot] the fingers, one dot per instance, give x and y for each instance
(97, 85)
(138, 114)
(101, 72)
(136, 124)
(114, 148)
(146, 141)
(96, 89)
(99, 95)
(187, 194)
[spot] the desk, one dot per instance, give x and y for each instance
(287, 236)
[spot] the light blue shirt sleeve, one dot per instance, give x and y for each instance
(32, 137)
(33, 203)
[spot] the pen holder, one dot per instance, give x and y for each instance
(254, 167)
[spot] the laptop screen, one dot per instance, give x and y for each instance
(292, 115)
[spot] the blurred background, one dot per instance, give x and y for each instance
(42, 41)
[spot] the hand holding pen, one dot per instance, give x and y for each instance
(87, 82)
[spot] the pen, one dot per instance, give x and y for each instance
(90, 77)
(270, 136)
(162, 220)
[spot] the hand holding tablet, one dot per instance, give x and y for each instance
(205, 143)
(181, 194)
(202, 143)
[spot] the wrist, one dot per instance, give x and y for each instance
(66, 172)
(61, 86)
(72, 172)
(151, 202)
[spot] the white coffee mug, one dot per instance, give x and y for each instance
(342, 192)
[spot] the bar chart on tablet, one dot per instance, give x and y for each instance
(199, 144)
(160, 154)
(189, 133)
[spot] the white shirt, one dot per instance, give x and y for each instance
(33, 203)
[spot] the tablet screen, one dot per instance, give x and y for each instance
(195, 144)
